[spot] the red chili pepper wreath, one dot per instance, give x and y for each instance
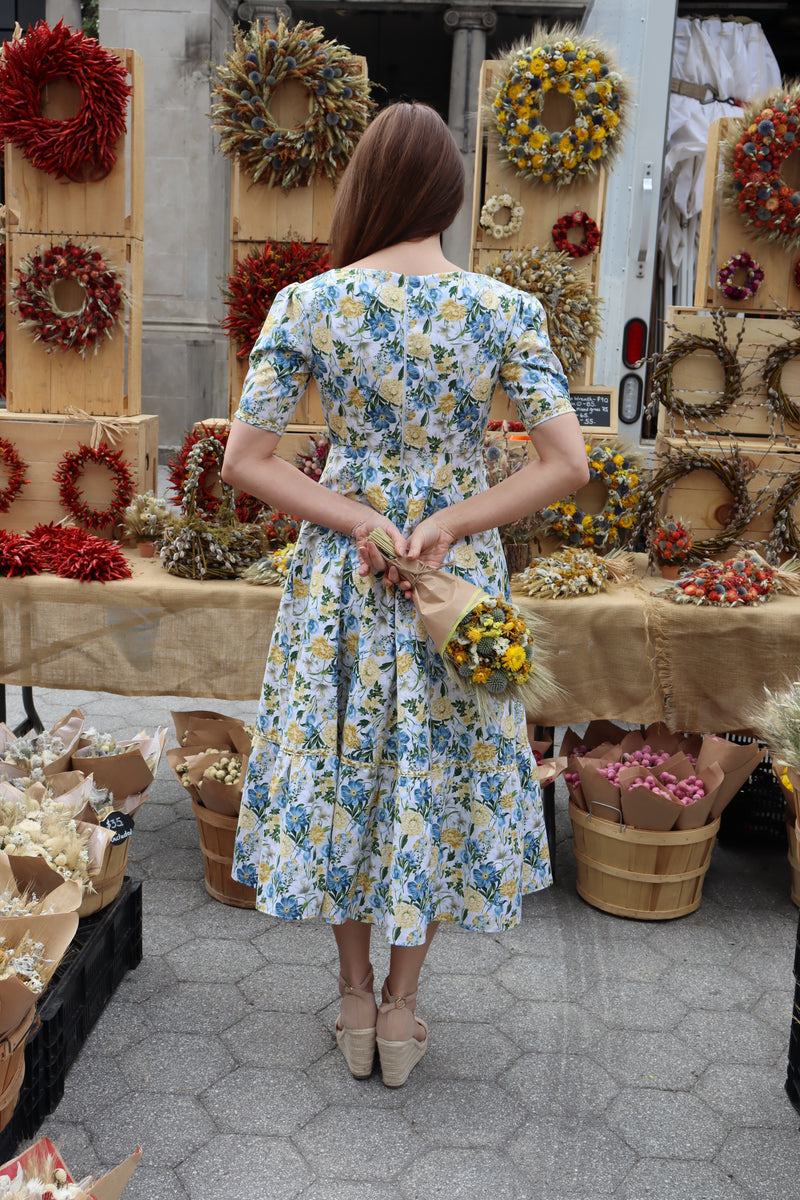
(576, 220)
(33, 295)
(258, 278)
(248, 509)
(15, 470)
(69, 472)
(80, 146)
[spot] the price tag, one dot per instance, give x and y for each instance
(122, 825)
(596, 408)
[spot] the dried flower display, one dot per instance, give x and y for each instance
(775, 720)
(33, 297)
(573, 572)
(731, 584)
(272, 569)
(685, 344)
(145, 517)
(78, 147)
(257, 278)
(312, 462)
(505, 451)
(729, 468)
(570, 305)
(566, 61)
(242, 91)
(670, 540)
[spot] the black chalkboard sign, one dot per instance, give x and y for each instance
(122, 825)
(596, 407)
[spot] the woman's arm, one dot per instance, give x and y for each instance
(251, 466)
(562, 469)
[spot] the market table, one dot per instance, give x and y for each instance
(626, 654)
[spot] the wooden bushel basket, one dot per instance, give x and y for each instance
(217, 835)
(12, 1066)
(640, 873)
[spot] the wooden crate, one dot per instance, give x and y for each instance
(543, 204)
(293, 442)
(39, 203)
(260, 212)
(702, 499)
(42, 440)
(107, 383)
(698, 378)
(723, 234)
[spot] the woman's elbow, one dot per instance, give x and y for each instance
(228, 471)
(578, 473)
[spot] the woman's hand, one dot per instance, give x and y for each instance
(430, 541)
(369, 556)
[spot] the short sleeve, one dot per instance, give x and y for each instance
(279, 365)
(530, 373)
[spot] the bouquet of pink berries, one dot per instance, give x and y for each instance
(654, 779)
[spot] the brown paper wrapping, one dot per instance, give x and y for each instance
(108, 1187)
(20, 873)
(737, 761)
(124, 774)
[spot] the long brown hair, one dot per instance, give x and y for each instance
(404, 181)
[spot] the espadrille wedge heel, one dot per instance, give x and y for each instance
(398, 1049)
(355, 1026)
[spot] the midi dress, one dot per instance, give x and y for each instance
(375, 791)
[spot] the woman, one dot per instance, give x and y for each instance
(374, 795)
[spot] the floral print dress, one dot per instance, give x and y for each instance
(373, 790)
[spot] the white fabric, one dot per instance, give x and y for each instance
(737, 61)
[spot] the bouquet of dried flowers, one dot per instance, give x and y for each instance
(486, 643)
(312, 462)
(145, 517)
(573, 572)
(280, 528)
(670, 541)
(735, 582)
(272, 569)
(776, 722)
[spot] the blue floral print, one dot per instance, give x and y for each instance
(374, 790)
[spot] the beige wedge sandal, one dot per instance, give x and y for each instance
(399, 1050)
(355, 1026)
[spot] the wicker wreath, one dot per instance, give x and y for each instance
(33, 296)
(562, 60)
(785, 535)
(769, 131)
(81, 147)
(571, 307)
(339, 106)
(615, 523)
(729, 469)
(490, 210)
(754, 277)
(663, 391)
(576, 220)
(68, 474)
(772, 376)
(205, 464)
(15, 469)
(256, 280)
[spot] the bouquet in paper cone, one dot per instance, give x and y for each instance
(655, 779)
(42, 754)
(486, 643)
(40, 1173)
(776, 722)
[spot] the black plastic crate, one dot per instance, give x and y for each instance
(756, 816)
(106, 946)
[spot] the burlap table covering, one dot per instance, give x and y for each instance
(624, 655)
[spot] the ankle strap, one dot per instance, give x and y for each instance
(390, 1002)
(365, 990)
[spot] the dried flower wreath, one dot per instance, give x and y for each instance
(207, 498)
(81, 146)
(753, 155)
(339, 106)
(729, 468)
(258, 277)
(663, 391)
(33, 295)
(576, 220)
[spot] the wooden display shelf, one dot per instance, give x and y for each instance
(703, 500)
(42, 441)
(542, 203)
(699, 378)
(723, 234)
(39, 203)
(107, 383)
(302, 214)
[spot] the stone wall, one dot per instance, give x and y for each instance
(184, 352)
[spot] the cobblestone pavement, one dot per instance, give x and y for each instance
(579, 1056)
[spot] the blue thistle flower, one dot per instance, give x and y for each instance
(270, 81)
(258, 123)
(254, 77)
(347, 93)
(252, 57)
(308, 136)
(272, 44)
(766, 128)
(332, 118)
(290, 63)
(327, 73)
(246, 96)
(321, 88)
